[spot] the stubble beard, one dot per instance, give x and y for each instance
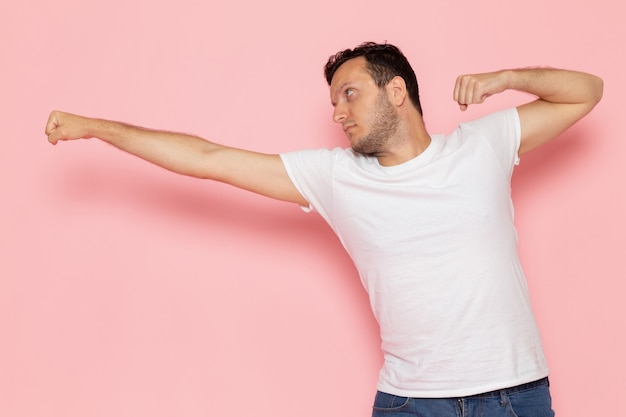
(384, 126)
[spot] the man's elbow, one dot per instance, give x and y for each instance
(596, 90)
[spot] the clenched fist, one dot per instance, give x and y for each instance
(66, 126)
(475, 88)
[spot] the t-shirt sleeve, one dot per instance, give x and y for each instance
(503, 133)
(311, 171)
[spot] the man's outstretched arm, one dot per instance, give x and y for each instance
(564, 97)
(185, 154)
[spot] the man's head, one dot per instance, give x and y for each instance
(383, 62)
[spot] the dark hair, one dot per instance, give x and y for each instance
(384, 61)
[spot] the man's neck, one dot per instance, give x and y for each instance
(409, 141)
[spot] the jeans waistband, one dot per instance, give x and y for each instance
(517, 388)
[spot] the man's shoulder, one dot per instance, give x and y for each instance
(330, 155)
(504, 117)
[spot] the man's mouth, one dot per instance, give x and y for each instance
(347, 128)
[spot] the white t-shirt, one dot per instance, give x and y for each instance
(435, 246)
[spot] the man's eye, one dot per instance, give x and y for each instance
(349, 92)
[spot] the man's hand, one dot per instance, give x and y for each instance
(66, 126)
(475, 88)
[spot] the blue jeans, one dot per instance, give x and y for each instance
(526, 400)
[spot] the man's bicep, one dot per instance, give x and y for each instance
(260, 173)
(542, 121)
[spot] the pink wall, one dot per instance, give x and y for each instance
(130, 291)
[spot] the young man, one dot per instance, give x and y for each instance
(427, 220)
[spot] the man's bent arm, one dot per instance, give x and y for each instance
(564, 97)
(185, 154)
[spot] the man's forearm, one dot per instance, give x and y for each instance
(550, 85)
(182, 153)
(177, 152)
(555, 85)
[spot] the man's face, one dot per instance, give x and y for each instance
(363, 109)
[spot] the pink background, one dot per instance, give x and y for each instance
(126, 290)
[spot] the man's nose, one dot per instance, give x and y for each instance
(339, 114)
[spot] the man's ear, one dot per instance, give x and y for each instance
(396, 89)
